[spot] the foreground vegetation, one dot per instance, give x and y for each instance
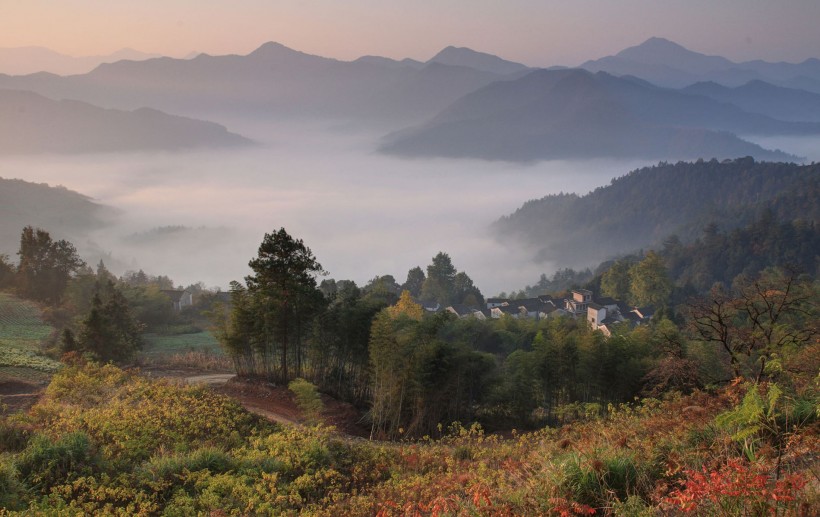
(104, 441)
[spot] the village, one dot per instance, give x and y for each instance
(602, 313)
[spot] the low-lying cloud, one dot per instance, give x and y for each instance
(363, 214)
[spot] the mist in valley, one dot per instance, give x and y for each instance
(200, 215)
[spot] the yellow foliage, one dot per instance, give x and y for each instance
(407, 307)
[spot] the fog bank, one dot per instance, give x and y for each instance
(362, 214)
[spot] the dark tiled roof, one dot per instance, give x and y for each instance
(607, 301)
(530, 304)
(595, 306)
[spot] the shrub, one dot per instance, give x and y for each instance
(46, 463)
(736, 488)
(14, 436)
(307, 398)
(604, 480)
(11, 491)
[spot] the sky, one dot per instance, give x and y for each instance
(535, 32)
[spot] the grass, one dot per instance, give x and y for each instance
(198, 350)
(158, 345)
(22, 329)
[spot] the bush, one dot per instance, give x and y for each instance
(11, 491)
(308, 399)
(46, 463)
(602, 481)
(14, 436)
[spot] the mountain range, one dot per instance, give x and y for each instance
(463, 103)
(573, 113)
(665, 63)
(275, 81)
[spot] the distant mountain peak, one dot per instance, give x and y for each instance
(463, 56)
(269, 47)
(661, 43)
(662, 51)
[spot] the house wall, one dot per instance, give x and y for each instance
(596, 316)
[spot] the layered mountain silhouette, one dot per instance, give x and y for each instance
(277, 81)
(571, 113)
(464, 103)
(765, 98)
(666, 63)
(30, 60)
(31, 123)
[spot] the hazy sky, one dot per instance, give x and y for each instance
(536, 32)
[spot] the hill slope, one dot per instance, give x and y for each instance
(649, 204)
(555, 114)
(62, 212)
(31, 123)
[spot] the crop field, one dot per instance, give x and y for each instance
(19, 373)
(21, 331)
(21, 325)
(158, 345)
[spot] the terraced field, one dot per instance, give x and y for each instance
(21, 331)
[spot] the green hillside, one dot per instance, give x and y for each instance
(647, 205)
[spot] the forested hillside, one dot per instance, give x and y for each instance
(649, 204)
(63, 211)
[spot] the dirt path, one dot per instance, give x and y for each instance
(275, 403)
(211, 379)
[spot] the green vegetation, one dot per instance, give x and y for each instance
(730, 360)
(21, 323)
(307, 398)
(106, 442)
(645, 206)
(22, 331)
(159, 345)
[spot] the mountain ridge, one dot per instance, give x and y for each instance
(574, 113)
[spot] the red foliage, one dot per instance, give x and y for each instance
(743, 482)
(566, 508)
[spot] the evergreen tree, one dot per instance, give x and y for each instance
(109, 332)
(284, 284)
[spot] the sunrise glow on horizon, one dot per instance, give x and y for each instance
(535, 33)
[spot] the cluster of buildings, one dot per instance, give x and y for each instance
(601, 313)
